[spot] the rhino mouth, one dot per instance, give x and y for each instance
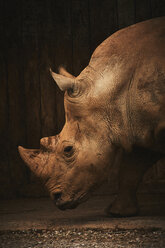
(72, 204)
(67, 205)
(61, 204)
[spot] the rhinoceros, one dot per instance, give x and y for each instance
(115, 114)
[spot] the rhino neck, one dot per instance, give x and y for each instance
(117, 115)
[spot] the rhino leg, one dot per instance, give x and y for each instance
(132, 169)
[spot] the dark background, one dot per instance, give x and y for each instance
(36, 35)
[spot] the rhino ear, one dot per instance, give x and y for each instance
(63, 82)
(62, 71)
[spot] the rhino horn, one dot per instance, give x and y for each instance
(63, 82)
(35, 160)
(62, 71)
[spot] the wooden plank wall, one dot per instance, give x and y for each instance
(36, 35)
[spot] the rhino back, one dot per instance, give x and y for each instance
(132, 43)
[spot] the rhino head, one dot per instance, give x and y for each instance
(73, 163)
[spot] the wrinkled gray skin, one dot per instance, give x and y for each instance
(115, 112)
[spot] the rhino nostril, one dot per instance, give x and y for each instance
(57, 196)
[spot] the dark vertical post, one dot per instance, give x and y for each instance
(4, 108)
(126, 13)
(30, 61)
(45, 58)
(103, 20)
(61, 48)
(158, 8)
(143, 10)
(16, 98)
(80, 35)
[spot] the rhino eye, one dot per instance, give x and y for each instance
(68, 151)
(68, 148)
(75, 91)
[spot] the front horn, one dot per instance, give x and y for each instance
(63, 82)
(36, 161)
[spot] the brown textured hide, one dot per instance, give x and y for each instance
(115, 112)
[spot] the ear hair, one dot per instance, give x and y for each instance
(63, 82)
(64, 72)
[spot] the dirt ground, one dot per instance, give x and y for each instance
(37, 223)
(83, 238)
